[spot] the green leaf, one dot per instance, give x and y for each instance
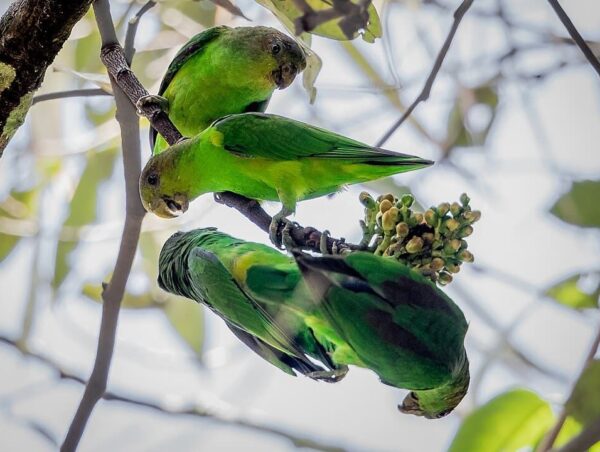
(130, 301)
(580, 206)
(340, 28)
(569, 293)
(584, 403)
(187, 318)
(16, 206)
(459, 132)
(83, 207)
(509, 422)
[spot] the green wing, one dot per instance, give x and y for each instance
(193, 47)
(279, 138)
(403, 327)
(222, 294)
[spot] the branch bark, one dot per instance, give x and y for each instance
(31, 34)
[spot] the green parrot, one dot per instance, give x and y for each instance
(222, 71)
(359, 309)
(264, 157)
(397, 322)
(209, 267)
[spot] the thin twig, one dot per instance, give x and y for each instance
(581, 43)
(86, 92)
(134, 214)
(551, 436)
(424, 95)
(192, 410)
(132, 26)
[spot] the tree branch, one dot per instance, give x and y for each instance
(192, 410)
(86, 92)
(424, 95)
(585, 48)
(134, 214)
(549, 439)
(31, 34)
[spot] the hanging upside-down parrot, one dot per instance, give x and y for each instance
(264, 157)
(208, 267)
(222, 71)
(359, 309)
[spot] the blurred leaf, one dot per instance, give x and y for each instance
(83, 207)
(17, 205)
(187, 318)
(310, 74)
(461, 132)
(510, 421)
(569, 293)
(580, 206)
(584, 403)
(130, 301)
(340, 28)
(228, 6)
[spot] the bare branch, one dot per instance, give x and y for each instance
(551, 436)
(87, 92)
(424, 95)
(581, 43)
(192, 410)
(132, 30)
(113, 292)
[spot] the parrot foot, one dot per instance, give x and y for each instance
(335, 247)
(323, 242)
(286, 238)
(151, 100)
(329, 376)
(277, 221)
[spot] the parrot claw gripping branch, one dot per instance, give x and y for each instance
(373, 304)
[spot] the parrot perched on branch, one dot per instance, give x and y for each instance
(359, 309)
(264, 157)
(222, 71)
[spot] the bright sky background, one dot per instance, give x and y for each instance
(515, 184)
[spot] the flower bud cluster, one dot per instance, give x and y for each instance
(432, 242)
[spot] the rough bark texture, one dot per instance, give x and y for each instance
(31, 34)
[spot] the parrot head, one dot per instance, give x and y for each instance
(157, 189)
(438, 402)
(265, 53)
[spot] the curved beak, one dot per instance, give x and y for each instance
(170, 206)
(284, 75)
(410, 405)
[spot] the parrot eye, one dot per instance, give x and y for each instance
(275, 49)
(443, 413)
(152, 179)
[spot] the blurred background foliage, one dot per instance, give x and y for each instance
(531, 297)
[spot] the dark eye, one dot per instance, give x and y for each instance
(443, 413)
(152, 179)
(275, 49)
